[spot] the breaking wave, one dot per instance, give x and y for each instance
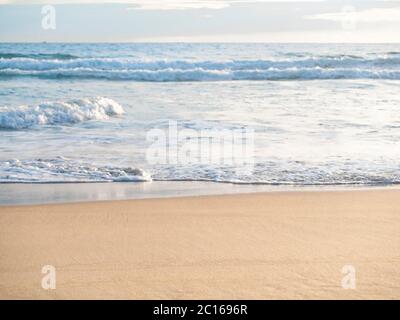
(59, 113)
(298, 68)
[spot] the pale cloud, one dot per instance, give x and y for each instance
(323, 36)
(159, 4)
(369, 15)
(198, 4)
(178, 5)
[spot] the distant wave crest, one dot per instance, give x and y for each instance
(297, 68)
(39, 56)
(59, 113)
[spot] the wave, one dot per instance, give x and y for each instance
(63, 170)
(59, 113)
(176, 75)
(309, 68)
(286, 173)
(372, 182)
(338, 61)
(40, 56)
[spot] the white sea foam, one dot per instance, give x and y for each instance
(302, 68)
(62, 169)
(40, 64)
(199, 74)
(59, 113)
(285, 172)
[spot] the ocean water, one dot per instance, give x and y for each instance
(317, 114)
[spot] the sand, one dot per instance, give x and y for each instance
(284, 245)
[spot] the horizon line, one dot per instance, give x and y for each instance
(192, 42)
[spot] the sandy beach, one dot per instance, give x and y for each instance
(283, 245)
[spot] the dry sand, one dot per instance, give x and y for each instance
(288, 245)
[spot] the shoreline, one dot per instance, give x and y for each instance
(283, 245)
(25, 194)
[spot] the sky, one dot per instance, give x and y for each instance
(367, 21)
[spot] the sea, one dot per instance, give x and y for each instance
(305, 114)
